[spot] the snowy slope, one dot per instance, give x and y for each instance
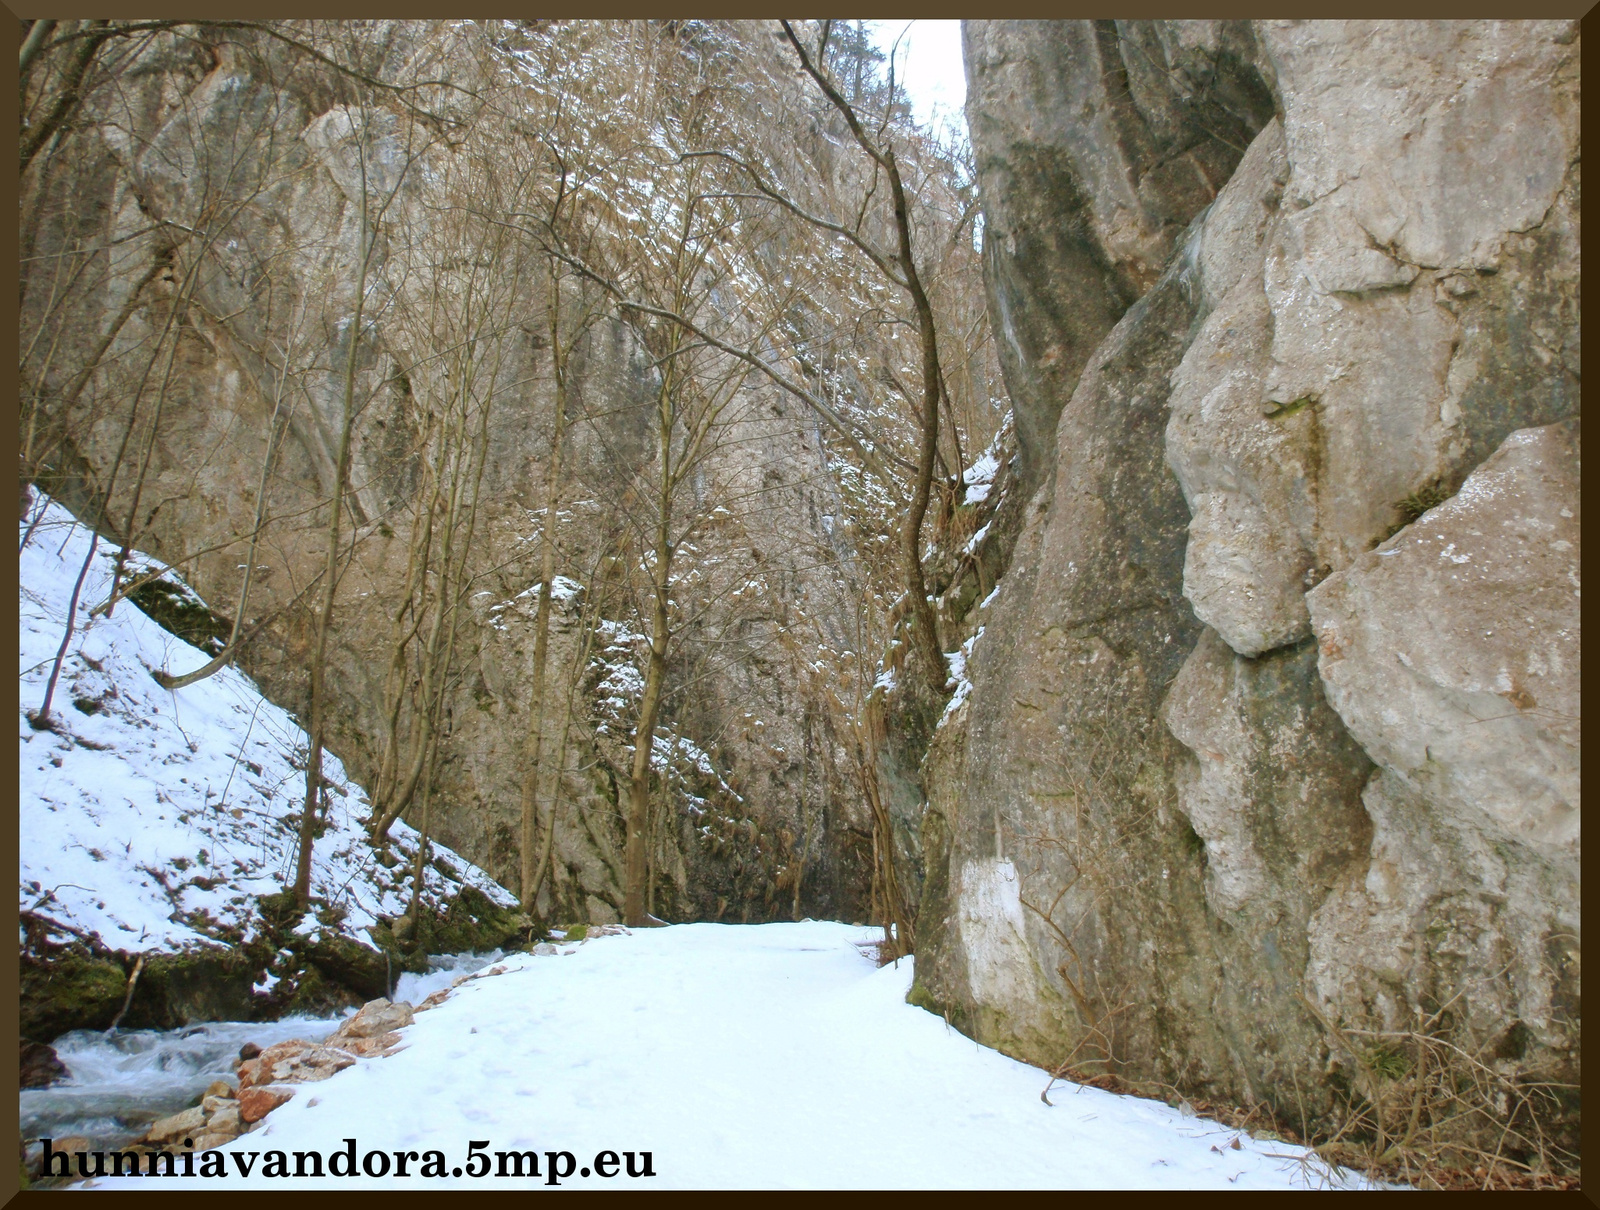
(740, 1056)
(152, 818)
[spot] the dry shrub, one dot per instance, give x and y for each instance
(1424, 1105)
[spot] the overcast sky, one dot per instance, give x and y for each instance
(928, 64)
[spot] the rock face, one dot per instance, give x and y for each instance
(1452, 653)
(1258, 747)
(1096, 142)
(261, 368)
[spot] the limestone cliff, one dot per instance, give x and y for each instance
(240, 133)
(1273, 728)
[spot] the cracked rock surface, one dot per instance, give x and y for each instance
(1275, 720)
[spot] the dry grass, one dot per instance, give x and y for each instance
(1413, 1166)
(1424, 1104)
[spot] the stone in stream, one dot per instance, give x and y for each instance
(367, 1047)
(258, 1070)
(256, 1102)
(177, 1126)
(376, 1017)
(39, 1065)
(294, 1062)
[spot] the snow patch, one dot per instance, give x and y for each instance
(153, 820)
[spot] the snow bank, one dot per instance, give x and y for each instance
(769, 1056)
(154, 819)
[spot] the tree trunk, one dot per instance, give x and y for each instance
(330, 572)
(635, 863)
(636, 871)
(41, 718)
(532, 863)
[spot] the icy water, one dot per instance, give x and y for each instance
(123, 1080)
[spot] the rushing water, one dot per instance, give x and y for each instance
(122, 1080)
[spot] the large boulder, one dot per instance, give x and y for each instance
(1452, 652)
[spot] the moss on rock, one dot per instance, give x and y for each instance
(68, 990)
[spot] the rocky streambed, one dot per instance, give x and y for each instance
(147, 1090)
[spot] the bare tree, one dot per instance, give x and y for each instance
(367, 235)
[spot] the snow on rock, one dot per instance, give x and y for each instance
(958, 660)
(764, 1056)
(154, 819)
(979, 478)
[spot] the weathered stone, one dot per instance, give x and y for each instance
(1062, 761)
(210, 1142)
(323, 1061)
(256, 1102)
(1422, 143)
(1313, 404)
(365, 1046)
(1458, 142)
(1274, 788)
(376, 1017)
(1250, 482)
(1342, 354)
(1452, 651)
(176, 1126)
(225, 1121)
(40, 1066)
(219, 1088)
(1450, 916)
(281, 1054)
(1096, 143)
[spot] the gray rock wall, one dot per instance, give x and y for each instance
(1274, 718)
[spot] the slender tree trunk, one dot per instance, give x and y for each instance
(41, 718)
(231, 648)
(66, 101)
(925, 622)
(394, 683)
(531, 866)
(635, 861)
(574, 679)
(429, 694)
(420, 858)
(32, 45)
(635, 870)
(330, 571)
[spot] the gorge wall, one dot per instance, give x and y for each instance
(1274, 721)
(240, 133)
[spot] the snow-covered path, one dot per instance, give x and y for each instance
(772, 1056)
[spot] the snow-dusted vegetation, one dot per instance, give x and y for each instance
(154, 820)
